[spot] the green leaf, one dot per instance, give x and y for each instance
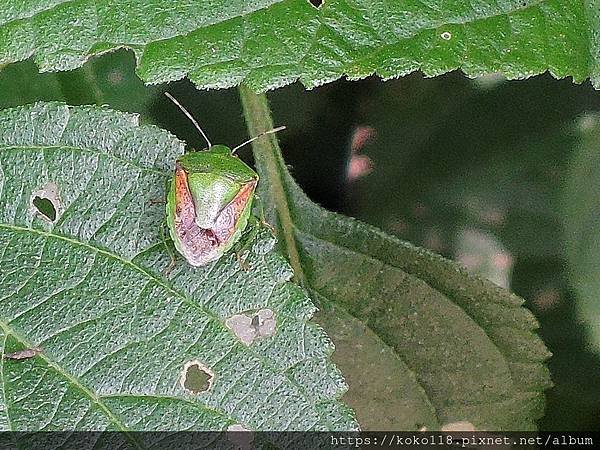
(115, 335)
(455, 347)
(271, 43)
(581, 213)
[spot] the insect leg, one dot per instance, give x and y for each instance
(253, 229)
(261, 213)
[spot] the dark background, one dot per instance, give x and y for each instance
(473, 169)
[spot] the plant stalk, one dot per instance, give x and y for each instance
(269, 163)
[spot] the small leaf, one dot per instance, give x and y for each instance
(271, 43)
(121, 347)
(462, 348)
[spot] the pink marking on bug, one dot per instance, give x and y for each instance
(200, 245)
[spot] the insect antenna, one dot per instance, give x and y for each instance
(189, 116)
(274, 130)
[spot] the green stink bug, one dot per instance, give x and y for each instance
(209, 200)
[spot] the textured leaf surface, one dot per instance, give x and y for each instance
(114, 334)
(462, 348)
(581, 208)
(270, 43)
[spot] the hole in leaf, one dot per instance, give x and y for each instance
(196, 377)
(45, 207)
(316, 3)
(46, 202)
(446, 35)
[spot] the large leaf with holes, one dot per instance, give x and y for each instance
(420, 342)
(581, 208)
(270, 43)
(120, 346)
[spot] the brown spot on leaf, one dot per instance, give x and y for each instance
(23, 354)
(250, 327)
(462, 425)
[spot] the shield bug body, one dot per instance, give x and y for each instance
(209, 200)
(209, 203)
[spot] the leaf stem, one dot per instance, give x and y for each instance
(268, 159)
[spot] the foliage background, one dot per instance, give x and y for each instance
(473, 169)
